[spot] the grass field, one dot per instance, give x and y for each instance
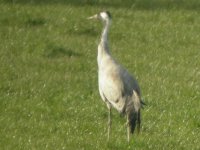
(49, 96)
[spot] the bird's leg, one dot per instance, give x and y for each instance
(128, 129)
(109, 120)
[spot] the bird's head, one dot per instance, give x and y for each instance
(104, 16)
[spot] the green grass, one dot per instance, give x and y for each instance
(48, 73)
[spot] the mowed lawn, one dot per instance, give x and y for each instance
(49, 96)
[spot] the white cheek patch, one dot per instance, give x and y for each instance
(103, 15)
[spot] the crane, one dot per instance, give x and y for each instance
(117, 88)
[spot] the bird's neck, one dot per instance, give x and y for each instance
(104, 35)
(103, 48)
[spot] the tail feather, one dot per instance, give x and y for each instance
(142, 103)
(134, 116)
(132, 121)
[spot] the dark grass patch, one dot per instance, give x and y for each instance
(58, 52)
(33, 22)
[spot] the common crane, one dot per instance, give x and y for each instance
(117, 87)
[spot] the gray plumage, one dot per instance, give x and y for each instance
(117, 87)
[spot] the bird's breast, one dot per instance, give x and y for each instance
(112, 88)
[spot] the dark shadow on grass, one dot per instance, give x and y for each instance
(136, 4)
(33, 22)
(58, 52)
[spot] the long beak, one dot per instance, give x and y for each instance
(93, 17)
